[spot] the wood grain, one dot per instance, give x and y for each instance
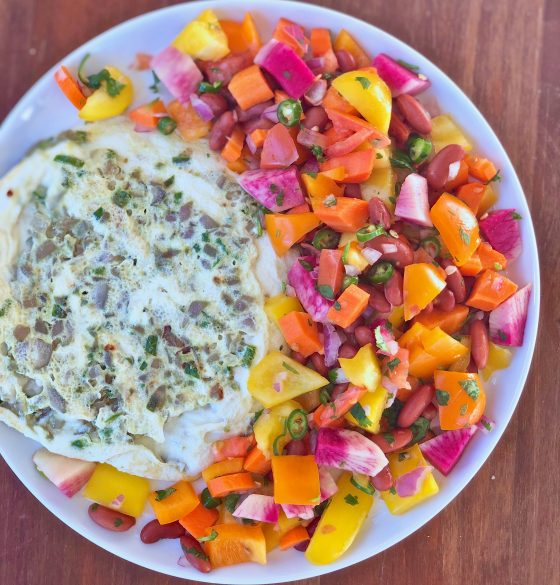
(503, 528)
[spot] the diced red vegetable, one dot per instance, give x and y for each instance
(304, 283)
(412, 202)
(68, 475)
(277, 190)
(178, 72)
(507, 322)
(259, 508)
(501, 229)
(444, 451)
(279, 149)
(399, 78)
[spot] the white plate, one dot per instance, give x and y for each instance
(43, 112)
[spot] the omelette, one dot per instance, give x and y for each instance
(133, 276)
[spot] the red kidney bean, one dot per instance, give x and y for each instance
(363, 335)
(338, 390)
(398, 129)
(393, 289)
(315, 116)
(295, 355)
(480, 346)
(438, 169)
(296, 448)
(110, 519)
(318, 362)
(378, 213)
(402, 256)
(154, 531)
(471, 368)
(346, 61)
(430, 412)
(195, 554)
(392, 440)
(256, 123)
(415, 405)
(383, 481)
(221, 129)
(414, 113)
(311, 527)
(218, 103)
(445, 300)
(429, 307)
(352, 327)
(377, 299)
(252, 112)
(455, 282)
(353, 190)
(347, 351)
(224, 69)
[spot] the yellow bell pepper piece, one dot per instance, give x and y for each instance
(369, 94)
(499, 358)
(400, 463)
(413, 336)
(340, 523)
(203, 38)
(461, 364)
(445, 132)
(363, 369)
(289, 376)
(443, 346)
(280, 305)
(422, 283)
(382, 158)
(274, 532)
(118, 490)
(488, 199)
(320, 187)
(270, 425)
(373, 404)
(381, 184)
(353, 254)
(396, 317)
(346, 42)
(100, 105)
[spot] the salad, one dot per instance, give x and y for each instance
(397, 306)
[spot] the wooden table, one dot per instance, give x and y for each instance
(503, 529)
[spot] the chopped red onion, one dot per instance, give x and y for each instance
(202, 108)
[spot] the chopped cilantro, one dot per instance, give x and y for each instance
(464, 236)
(67, 159)
(358, 412)
(408, 65)
(162, 494)
(363, 81)
(118, 522)
(392, 364)
(306, 265)
(79, 443)
(326, 291)
(442, 397)
(318, 152)
(471, 388)
(155, 85)
(351, 499)
(248, 355)
(290, 368)
(515, 215)
(151, 344)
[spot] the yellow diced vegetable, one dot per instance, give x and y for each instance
(461, 364)
(382, 158)
(396, 317)
(353, 255)
(488, 200)
(381, 184)
(340, 523)
(363, 369)
(203, 38)
(373, 404)
(400, 463)
(100, 105)
(274, 532)
(445, 132)
(277, 378)
(499, 358)
(280, 305)
(270, 425)
(118, 490)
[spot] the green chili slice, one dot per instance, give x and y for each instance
(208, 501)
(326, 238)
(289, 112)
(206, 87)
(362, 482)
(297, 424)
(419, 149)
(166, 125)
(348, 280)
(432, 245)
(276, 444)
(369, 232)
(380, 273)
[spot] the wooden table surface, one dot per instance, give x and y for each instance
(503, 528)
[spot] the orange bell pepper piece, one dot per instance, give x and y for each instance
(320, 186)
(242, 36)
(348, 307)
(174, 503)
(343, 214)
(235, 544)
(331, 270)
(448, 321)
(422, 283)
(461, 399)
(251, 34)
(481, 168)
(228, 484)
(412, 336)
(357, 165)
(189, 124)
(457, 225)
(256, 462)
(472, 194)
(490, 290)
(421, 363)
(300, 333)
(258, 136)
(285, 230)
(472, 266)
(293, 537)
(147, 115)
(346, 42)
(70, 87)
(199, 520)
(296, 480)
(491, 258)
(460, 179)
(225, 467)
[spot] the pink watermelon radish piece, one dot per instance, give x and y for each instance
(507, 322)
(409, 484)
(501, 229)
(444, 451)
(259, 508)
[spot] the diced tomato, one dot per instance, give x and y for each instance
(279, 149)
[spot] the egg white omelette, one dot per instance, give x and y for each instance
(132, 286)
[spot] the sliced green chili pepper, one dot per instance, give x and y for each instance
(208, 501)
(166, 125)
(401, 160)
(432, 245)
(419, 148)
(326, 238)
(348, 280)
(362, 482)
(297, 424)
(206, 87)
(289, 112)
(276, 444)
(368, 233)
(380, 273)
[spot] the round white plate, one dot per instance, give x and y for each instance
(43, 112)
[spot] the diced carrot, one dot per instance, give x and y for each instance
(238, 166)
(70, 87)
(490, 290)
(330, 415)
(346, 42)
(280, 96)
(284, 230)
(249, 87)
(174, 503)
(256, 462)
(449, 321)
(232, 447)
(300, 333)
(472, 194)
(472, 266)
(335, 101)
(296, 480)
(228, 484)
(293, 537)
(460, 178)
(147, 115)
(234, 145)
(320, 186)
(258, 136)
(199, 520)
(336, 174)
(348, 307)
(481, 168)
(357, 165)
(321, 46)
(189, 124)
(225, 467)
(343, 214)
(331, 270)
(403, 394)
(491, 258)
(291, 34)
(235, 544)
